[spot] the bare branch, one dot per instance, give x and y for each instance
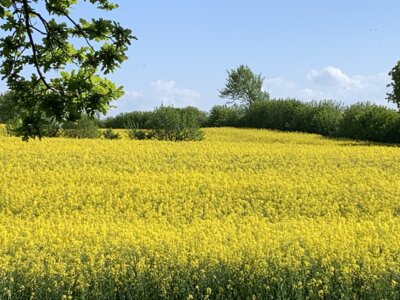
(38, 30)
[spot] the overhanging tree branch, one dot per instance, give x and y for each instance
(51, 37)
(75, 89)
(33, 45)
(76, 25)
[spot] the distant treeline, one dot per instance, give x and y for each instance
(361, 121)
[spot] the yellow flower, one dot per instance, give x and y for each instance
(244, 211)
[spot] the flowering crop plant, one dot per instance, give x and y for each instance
(243, 214)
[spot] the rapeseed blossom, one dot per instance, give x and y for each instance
(243, 214)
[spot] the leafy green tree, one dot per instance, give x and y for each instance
(394, 96)
(54, 64)
(244, 86)
(7, 109)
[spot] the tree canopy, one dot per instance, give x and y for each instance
(244, 86)
(55, 65)
(394, 96)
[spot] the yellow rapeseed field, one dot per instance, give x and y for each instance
(243, 214)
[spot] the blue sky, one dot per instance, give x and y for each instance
(306, 49)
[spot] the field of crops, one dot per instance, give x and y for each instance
(245, 214)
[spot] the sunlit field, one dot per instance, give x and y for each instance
(243, 214)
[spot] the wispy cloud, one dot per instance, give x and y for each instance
(333, 77)
(160, 92)
(332, 83)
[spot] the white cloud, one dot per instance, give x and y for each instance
(279, 87)
(165, 92)
(133, 94)
(280, 83)
(331, 76)
(332, 83)
(310, 94)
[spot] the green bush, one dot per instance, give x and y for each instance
(12, 125)
(48, 128)
(286, 115)
(256, 115)
(393, 134)
(12, 116)
(366, 121)
(3, 130)
(138, 128)
(85, 128)
(326, 117)
(8, 110)
(51, 129)
(169, 123)
(281, 114)
(363, 121)
(226, 116)
(111, 135)
(140, 134)
(124, 120)
(196, 114)
(140, 119)
(174, 124)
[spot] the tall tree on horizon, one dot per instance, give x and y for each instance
(394, 96)
(244, 86)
